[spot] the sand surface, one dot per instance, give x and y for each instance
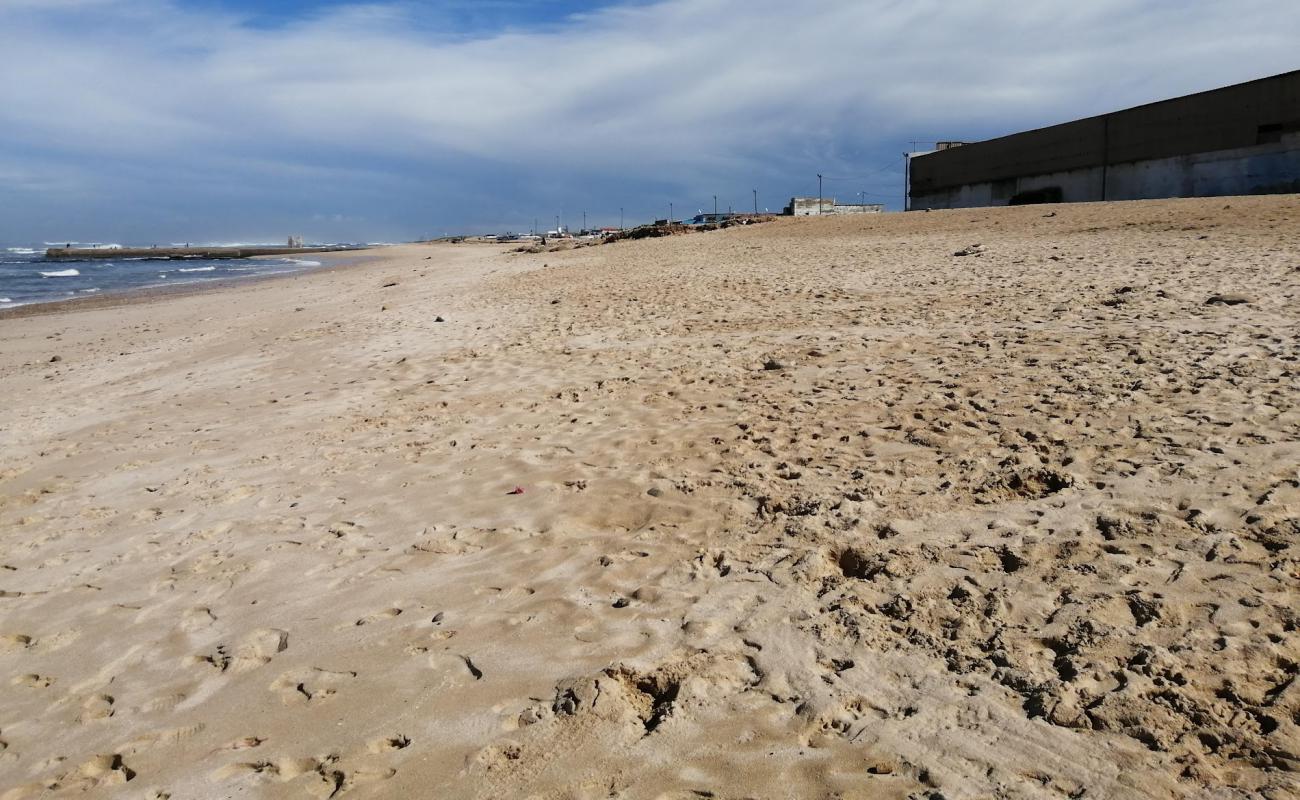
(810, 509)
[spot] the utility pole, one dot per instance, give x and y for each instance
(755, 202)
(620, 218)
(819, 193)
(670, 212)
(715, 206)
(557, 224)
(584, 222)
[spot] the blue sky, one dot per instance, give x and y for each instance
(218, 120)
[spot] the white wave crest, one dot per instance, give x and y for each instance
(197, 269)
(62, 273)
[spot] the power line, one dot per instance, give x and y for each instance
(890, 166)
(859, 177)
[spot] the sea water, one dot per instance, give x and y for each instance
(26, 277)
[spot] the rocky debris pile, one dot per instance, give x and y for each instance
(677, 228)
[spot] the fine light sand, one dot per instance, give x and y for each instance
(810, 509)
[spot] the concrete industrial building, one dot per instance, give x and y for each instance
(813, 206)
(1242, 139)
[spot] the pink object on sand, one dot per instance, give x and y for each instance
(516, 490)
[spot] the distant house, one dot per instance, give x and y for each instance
(814, 206)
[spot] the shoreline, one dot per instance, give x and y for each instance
(61, 254)
(138, 295)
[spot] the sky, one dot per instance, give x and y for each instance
(143, 121)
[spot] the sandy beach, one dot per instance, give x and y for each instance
(809, 509)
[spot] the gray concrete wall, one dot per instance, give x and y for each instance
(853, 208)
(1234, 120)
(809, 207)
(1263, 169)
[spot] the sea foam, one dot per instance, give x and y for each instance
(63, 273)
(197, 269)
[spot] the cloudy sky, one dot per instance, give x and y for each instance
(218, 120)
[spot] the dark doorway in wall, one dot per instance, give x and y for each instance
(1047, 194)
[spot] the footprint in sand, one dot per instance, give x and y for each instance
(259, 647)
(218, 659)
(15, 641)
(320, 777)
(104, 770)
(166, 736)
(245, 769)
(843, 721)
(455, 668)
(386, 614)
(310, 685)
(99, 706)
(162, 703)
(197, 618)
(386, 744)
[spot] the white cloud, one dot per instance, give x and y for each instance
(666, 92)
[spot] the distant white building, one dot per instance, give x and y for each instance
(813, 206)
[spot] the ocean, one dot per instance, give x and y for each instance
(26, 277)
